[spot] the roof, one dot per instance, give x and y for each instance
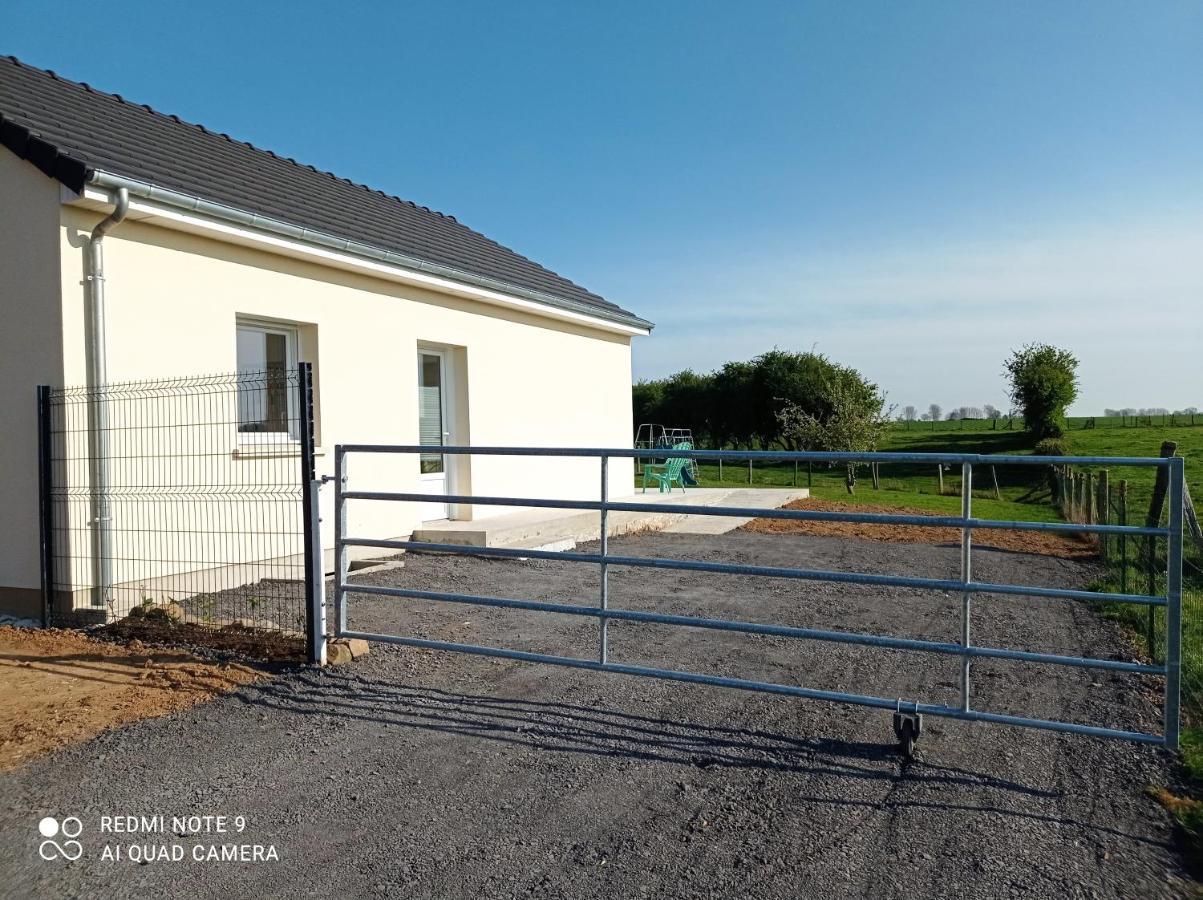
(71, 131)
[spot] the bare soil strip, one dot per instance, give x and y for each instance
(60, 687)
(1064, 546)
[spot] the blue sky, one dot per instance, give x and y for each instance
(912, 188)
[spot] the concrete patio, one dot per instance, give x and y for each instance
(561, 529)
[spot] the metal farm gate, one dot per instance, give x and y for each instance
(187, 501)
(907, 714)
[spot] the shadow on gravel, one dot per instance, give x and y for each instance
(569, 728)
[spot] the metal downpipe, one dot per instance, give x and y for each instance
(98, 426)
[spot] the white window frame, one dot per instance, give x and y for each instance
(291, 336)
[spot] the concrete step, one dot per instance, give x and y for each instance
(750, 498)
(552, 529)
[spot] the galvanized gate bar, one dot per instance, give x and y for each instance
(649, 562)
(758, 513)
(767, 687)
(1149, 462)
(814, 634)
(966, 577)
(603, 622)
(1173, 593)
(965, 586)
(340, 540)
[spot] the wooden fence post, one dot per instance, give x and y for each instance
(1104, 512)
(1088, 490)
(940, 476)
(994, 478)
(1192, 519)
(749, 470)
(876, 476)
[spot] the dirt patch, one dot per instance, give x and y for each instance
(59, 687)
(241, 640)
(1065, 546)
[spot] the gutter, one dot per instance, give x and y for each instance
(98, 414)
(241, 218)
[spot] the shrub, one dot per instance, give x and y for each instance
(1044, 382)
(1052, 446)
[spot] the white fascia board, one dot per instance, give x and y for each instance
(169, 217)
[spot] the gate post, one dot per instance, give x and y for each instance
(1173, 600)
(45, 507)
(966, 576)
(340, 532)
(315, 588)
(603, 636)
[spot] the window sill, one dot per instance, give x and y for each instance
(271, 449)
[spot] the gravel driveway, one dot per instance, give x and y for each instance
(418, 773)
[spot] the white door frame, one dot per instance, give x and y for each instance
(441, 482)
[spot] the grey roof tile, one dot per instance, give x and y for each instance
(69, 129)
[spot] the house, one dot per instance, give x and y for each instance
(229, 258)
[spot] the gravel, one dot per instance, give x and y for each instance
(422, 773)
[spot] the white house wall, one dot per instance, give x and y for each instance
(519, 379)
(31, 353)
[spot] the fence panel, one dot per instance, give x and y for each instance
(179, 502)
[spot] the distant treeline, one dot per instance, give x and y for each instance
(1132, 411)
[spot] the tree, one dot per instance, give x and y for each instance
(992, 411)
(1043, 382)
(855, 420)
(733, 418)
(647, 398)
(780, 378)
(909, 413)
(934, 412)
(954, 415)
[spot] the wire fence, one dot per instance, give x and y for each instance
(178, 504)
(1138, 564)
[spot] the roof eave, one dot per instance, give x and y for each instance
(199, 206)
(535, 301)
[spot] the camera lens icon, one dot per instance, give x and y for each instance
(69, 828)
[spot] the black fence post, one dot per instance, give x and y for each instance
(314, 583)
(45, 507)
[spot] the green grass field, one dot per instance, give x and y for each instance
(1023, 492)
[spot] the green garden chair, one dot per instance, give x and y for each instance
(669, 472)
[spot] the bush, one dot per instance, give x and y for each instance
(1052, 446)
(1044, 382)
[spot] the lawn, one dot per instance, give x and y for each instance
(1023, 494)
(1107, 438)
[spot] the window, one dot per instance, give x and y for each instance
(431, 410)
(267, 363)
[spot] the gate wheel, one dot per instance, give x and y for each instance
(907, 728)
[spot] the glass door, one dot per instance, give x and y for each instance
(433, 430)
